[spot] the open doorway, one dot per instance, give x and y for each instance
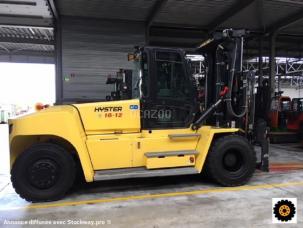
(22, 86)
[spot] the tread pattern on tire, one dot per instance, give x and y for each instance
(24, 155)
(210, 168)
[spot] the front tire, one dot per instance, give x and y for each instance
(231, 161)
(44, 172)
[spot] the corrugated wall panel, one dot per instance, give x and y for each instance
(135, 10)
(192, 12)
(93, 49)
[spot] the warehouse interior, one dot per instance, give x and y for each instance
(88, 42)
(74, 36)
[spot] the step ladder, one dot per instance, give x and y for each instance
(141, 172)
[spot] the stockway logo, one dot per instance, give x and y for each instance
(284, 210)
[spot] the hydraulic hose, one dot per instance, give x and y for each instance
(218, 74)
(230, 109)
(198, 123)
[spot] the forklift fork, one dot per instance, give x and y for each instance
(261, 139)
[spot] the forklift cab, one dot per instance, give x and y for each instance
(295, 119)
(297, 105)
(279, 110)
(165, 88)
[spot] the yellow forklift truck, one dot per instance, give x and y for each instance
(162, 130)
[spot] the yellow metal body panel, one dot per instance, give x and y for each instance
(111, 128)
(60, 121)
(110, 137)
(110, 117)
(110, 151)
(206, 138)
(159, 141)
(169, 162)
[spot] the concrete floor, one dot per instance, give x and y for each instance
(185, 201)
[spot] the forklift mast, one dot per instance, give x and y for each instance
(226, 96)
(224, 57)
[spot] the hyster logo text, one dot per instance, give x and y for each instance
(108, 109)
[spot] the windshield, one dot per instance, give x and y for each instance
(136, 79)
(140, 76)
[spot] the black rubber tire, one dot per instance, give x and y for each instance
(205, 174)
(65, 170)
(245, 161)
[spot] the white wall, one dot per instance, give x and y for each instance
(292, 92)
(4, 151)
(23, 85)
(27, 84)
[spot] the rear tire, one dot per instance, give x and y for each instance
(44, 172)
(231, 161)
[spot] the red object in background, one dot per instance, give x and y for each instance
(295, 119)
(278, 105)
(294, 122)
(285, 167)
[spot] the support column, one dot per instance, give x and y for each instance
(58, 50)
(58, 62)
(155, 10)
(147, 35)
(260, 69)
(272, 64)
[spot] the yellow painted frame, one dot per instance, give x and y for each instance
(58, 121)
(65, 122)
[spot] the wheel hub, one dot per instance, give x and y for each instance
(232, 161)
(43, 174)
